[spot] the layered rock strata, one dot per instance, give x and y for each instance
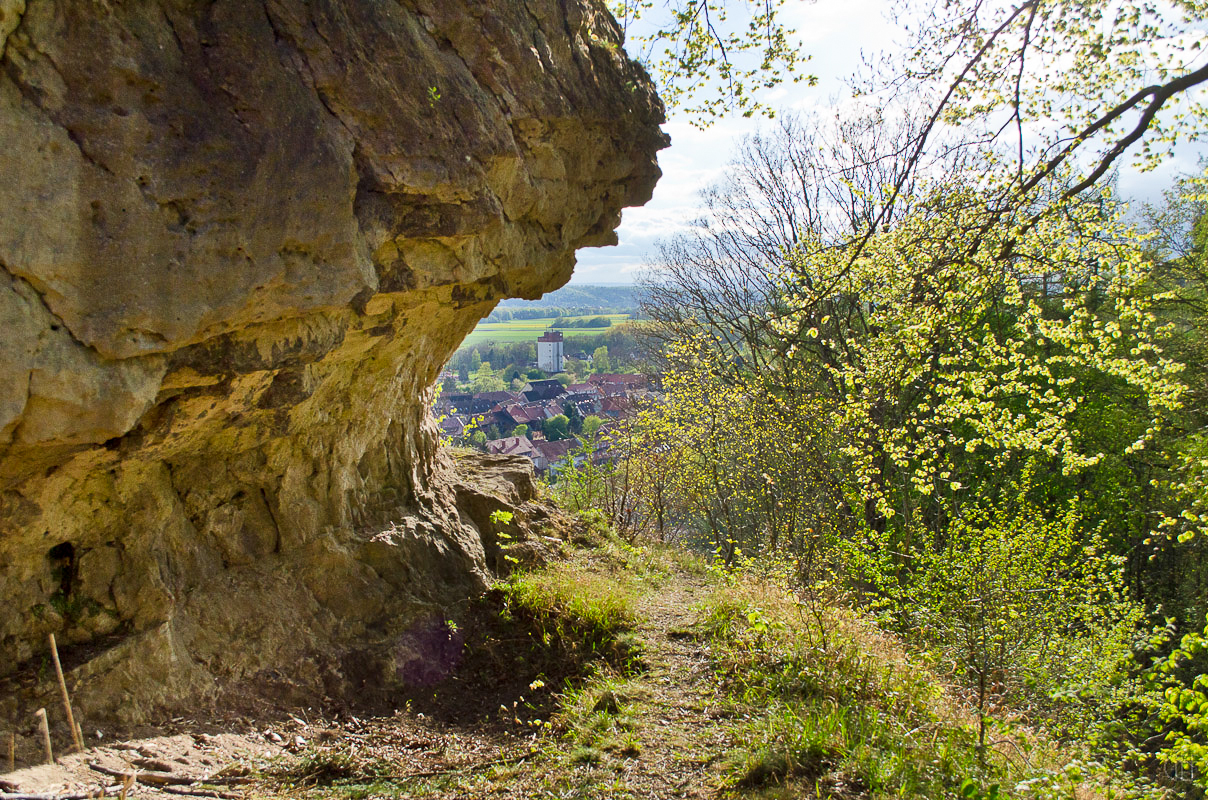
(238, 239)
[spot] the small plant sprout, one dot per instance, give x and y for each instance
(433, 96)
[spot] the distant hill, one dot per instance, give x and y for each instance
(613, 299)
(570, 301)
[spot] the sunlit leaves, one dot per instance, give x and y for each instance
(712, 57)
(948, 345)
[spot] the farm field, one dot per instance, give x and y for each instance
(527, 330)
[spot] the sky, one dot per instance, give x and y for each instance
(835, 34)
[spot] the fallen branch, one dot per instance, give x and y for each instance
(166, 780)
(147, 777)
(106, 791)
(199, 792)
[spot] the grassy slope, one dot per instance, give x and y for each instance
(637, 672)
(525, 330)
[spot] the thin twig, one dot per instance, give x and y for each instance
(71, 723)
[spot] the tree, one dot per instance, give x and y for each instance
(574, 417)
(599, 360)
(1031, 612)
(808, 176)
(520, 430)
(475, 359)
(986, 76)
(591, 426)
(485, 379)
(557, 427)
(932, 306)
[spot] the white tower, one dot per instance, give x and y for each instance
(549, 351)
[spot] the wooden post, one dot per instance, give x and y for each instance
(71, 723)
(45, 726)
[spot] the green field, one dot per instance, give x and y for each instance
(527, 330)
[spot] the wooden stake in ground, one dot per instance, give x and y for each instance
(71, 723)
(45, 726)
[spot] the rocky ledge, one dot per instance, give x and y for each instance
(239, 239)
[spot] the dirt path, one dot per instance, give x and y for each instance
(669, 714)
(676, 701)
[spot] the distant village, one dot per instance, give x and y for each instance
(547, 420)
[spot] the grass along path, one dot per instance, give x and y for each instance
(635, 674)
(649, 723)
(625, 672)
(661, 733)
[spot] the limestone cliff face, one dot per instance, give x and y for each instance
(238, 239)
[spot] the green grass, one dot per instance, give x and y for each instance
(836, 708)
(525, 330)
(755, 690)
(570, 603)
(598, 718)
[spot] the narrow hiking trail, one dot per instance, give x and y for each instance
(610, 671)
(676, 700)
(660, 729)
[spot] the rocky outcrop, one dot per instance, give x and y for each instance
(239, 239)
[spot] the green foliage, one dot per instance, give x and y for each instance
(1026, 606)
(574, 605)
(835, 705)
(947, 357)
(485, 379)
(964, 415)
(591, 426)
(1184, 705)
(600, 361)
(501, 518)
(713, 56)
(556, 428)
(581, 322)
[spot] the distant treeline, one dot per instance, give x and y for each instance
(582, 322)
(502, 314)
(579, 301)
